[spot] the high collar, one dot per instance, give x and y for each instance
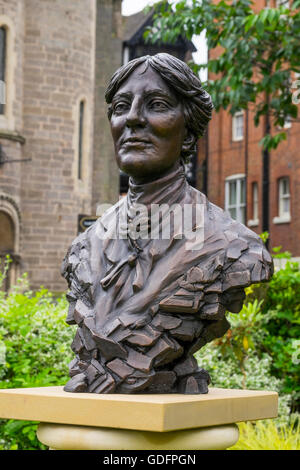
(168, 189)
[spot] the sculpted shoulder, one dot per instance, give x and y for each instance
(244, 250)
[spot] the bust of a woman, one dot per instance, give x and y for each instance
(151, 280)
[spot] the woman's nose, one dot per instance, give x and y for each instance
(135, 116)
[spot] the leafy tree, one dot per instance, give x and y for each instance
(258, 56)
(259, 53)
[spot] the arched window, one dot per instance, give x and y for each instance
(7, 243)
(82, 144)
(8, 61)
(80, 139)
(9, 238)
(2, 68)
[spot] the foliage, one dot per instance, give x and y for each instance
(258, 352)
(34, 350)
(281, 321)
(237, 361)
(265, 435)
(261, 350)
(259, 53)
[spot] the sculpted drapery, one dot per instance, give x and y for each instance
(139, 324)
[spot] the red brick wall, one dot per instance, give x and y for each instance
(226, 158)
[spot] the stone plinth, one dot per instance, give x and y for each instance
(90, 421)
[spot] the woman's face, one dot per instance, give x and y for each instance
(147, 125)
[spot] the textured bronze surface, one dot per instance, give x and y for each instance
(143, 305)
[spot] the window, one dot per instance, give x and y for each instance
(287, 123)
(8, 61)
(255, 200)
(284, 201)
(238, 126)
(254, 194)
(80, 139)
(235, 197)
(9, 238)
(285, 3)
(126, 55)
(81, 168)
(284, 197)
(2, 67)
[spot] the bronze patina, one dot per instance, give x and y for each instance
(144, 301)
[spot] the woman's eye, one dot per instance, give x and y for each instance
(120, 107)
(158, 105)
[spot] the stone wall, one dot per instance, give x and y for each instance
(52, 66)
(108, 59)
(58, 73)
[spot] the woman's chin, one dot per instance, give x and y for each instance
(139, 168)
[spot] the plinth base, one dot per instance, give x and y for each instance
(67, 437)
(137, 422)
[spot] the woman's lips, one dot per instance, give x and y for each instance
(136, 141)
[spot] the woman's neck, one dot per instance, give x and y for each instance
(150, 179)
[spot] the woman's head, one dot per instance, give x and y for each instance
(157, 111)
(197, 104)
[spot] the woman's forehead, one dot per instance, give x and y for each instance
(144, 80)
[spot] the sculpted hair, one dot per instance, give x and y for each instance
(196, 101)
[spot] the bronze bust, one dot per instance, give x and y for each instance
(146, 296)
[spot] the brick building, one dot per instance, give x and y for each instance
(232, 163)
(55, 147)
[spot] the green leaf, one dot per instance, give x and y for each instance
(263, 15)
(271, 15)
(259, 27)
(250, 22)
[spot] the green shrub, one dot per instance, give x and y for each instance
(258, 352)
(281, 322)
(265, 435)
(254, 373)
(240, 360)
(34, 351)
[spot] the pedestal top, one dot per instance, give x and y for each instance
(158, 413)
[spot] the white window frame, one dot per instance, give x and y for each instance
(235, 136)
(278, 3)
(287, 123)
(238, 178)
(125, 55)
(255, 220)
(283, 216)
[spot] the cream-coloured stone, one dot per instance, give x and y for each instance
(158, 413)
(68, 437)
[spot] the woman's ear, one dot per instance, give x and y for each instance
(189, 142)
